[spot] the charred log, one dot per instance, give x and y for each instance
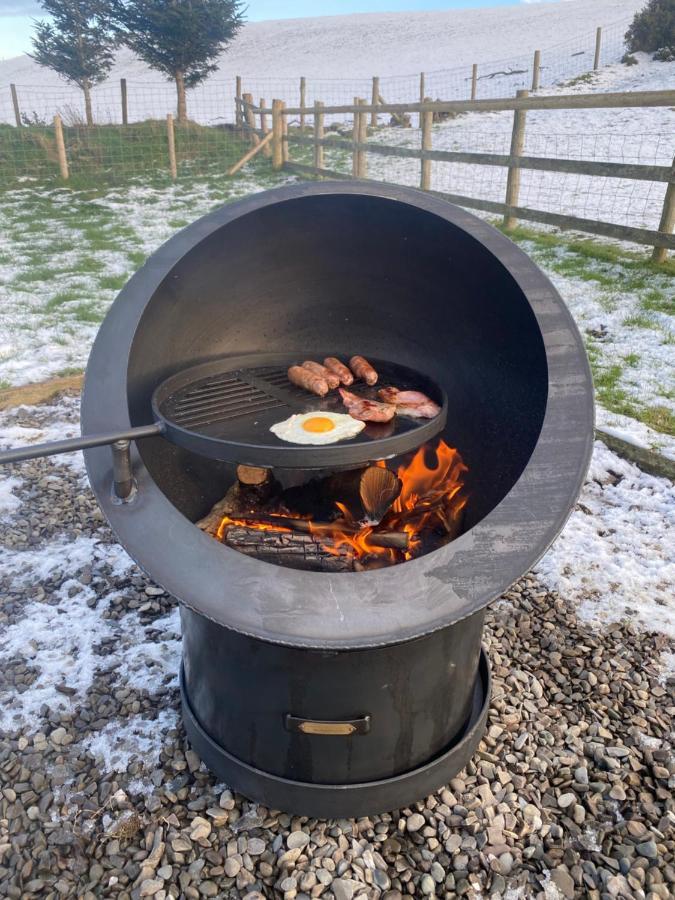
(288, 548)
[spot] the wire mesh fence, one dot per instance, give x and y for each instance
(620, 201)
(129, 139)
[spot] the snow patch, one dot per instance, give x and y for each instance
(614, 557)
(9, 502)
(116, 745)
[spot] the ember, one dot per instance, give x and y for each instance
(394, 519)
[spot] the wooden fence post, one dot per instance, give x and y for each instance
(598, 45)
(374, 101)
(60, 147)
(173, 168)
(513, 178)
(125, 110)
(250, 118)
(536, 68)
(422, 88)
(474, 80)
(667, 223)
(237, 104)
(363, 139)
(15, 104)
(285, 149)
(427, 123)
(303, 92)
(318, 134)
(356, 134)
(277, 135)
(267, 150)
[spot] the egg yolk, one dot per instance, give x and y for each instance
(318, 424)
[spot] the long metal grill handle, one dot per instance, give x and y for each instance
(35, 451)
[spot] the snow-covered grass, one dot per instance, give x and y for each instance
(614, 558)
(65, 254)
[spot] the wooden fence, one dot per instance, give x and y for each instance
(661, 239)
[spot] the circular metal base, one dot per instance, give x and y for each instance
(343, 800)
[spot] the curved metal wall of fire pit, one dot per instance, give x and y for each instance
(383, 271)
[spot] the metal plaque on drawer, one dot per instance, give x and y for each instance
(343, 727)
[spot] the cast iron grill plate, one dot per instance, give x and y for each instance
(224, 409)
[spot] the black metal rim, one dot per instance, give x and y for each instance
(389, 605)
(344, 800)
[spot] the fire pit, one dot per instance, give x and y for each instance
(361, 688)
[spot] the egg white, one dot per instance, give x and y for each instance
(291, 429)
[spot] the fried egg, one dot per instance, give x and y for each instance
(317, 428)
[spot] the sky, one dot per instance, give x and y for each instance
(16, 16)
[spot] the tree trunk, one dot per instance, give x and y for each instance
(87, 103)
(181, 110)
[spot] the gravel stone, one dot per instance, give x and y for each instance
(570, 784)
(414, 822)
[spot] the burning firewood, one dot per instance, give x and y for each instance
(378, 488)
(394, 540)
(251, 491)
(288, 548)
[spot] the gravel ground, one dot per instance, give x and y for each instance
(570, 794)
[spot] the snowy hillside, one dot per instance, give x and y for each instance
(395, 46)
(391, 43)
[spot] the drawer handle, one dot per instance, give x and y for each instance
(316, 726)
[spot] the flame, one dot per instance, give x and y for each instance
(428, 509)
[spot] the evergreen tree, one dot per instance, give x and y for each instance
(75, 44)
(653, 27)
(181, 38)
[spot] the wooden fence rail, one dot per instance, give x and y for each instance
(661, 239)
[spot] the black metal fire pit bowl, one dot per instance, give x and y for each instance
(348, 693)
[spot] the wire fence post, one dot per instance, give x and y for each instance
(237, 103)
(61, 148)
(15, 104)
(513, 178)
(474, 80)
(125, 110)
(375, 100)
(425, 170)
(598, 45)
(667, 223)
(277, 134)
(267, 150)
(318, 134)
(536, 68)
(171, 138)
(303, 90)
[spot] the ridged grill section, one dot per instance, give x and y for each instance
(221, 398)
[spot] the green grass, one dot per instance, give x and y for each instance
(634, 262)
(114, 153)
(62, 297)
(69, 370)
(655, 301)
(640, 321)
(112, 282)
(88, 313)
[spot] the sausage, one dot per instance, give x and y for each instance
(363, 369)
(334, 365)
(316, 368)
(303, 378)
